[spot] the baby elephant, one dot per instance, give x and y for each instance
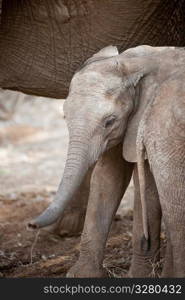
(137, 99)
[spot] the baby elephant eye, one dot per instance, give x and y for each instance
(110, 121)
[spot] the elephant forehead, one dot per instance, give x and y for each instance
(89, 80)
(101, 106)
(86, 79)
(87, 107)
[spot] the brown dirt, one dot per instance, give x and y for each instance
(26, 253)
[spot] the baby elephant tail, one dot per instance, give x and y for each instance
(145, 243)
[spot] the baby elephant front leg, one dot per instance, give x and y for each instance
(110, 179)
(71, 224)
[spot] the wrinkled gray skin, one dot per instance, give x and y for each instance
(109, 98)
(161, 138)
(42, 43)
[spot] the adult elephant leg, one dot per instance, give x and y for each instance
(110, 179)
(143, 261)
(73, 220)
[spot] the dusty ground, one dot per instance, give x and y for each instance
(24, 253)
(32, 154)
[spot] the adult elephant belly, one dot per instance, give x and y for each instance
(42, 43)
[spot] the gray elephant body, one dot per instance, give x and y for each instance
(109, 99)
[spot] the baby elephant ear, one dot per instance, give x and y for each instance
(129, 141)
(102, 54)
(108, 51)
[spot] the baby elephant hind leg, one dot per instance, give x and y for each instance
(167, 270)
(170, 179)
(174, 213)
(144, 262)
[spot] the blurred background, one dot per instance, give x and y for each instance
(33, 140)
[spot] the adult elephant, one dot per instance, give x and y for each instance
(42, 43)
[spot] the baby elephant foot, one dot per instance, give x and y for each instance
(86, 270)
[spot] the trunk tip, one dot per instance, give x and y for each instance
(32, 225)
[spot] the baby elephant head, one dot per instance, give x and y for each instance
(100, 101)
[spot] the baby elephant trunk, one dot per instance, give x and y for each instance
(77, 164)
